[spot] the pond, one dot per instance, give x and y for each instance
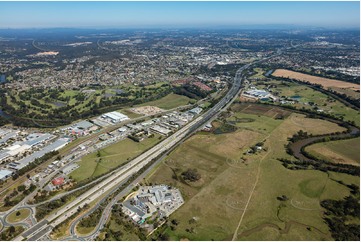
(59, 104)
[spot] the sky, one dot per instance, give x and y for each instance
(177, 14)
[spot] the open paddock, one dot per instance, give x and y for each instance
(217, 203)
(325, 82)
(269, 111)
(340, 151)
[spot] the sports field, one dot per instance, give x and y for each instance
(236, 196)
(340, 151)
(325, 82)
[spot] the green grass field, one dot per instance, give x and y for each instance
(259, 73)
(83, 230)
(216, 203)
(343, 151)
(170, 101)
(214, 157)
(13, 218)
(261, 123)
(129, 113)
(112, 156)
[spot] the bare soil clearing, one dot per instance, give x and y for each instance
(325, 82)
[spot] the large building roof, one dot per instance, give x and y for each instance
(83, 125)
(5, 173)
(59, 143)
(116, 116)
(39, 139)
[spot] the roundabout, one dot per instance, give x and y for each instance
(18, 216)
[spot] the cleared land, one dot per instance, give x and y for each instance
(325, 82)
(215, 203)
(210, 199)
(340, 151)
(147, 110)
(13, 218)
(170, 101)
(270, 219)
(98, 163)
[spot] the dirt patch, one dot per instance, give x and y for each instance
(325, 82)
(147, 110)
(269, 111)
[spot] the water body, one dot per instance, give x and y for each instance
(296, 97)
(269, 73)
(59, 104)
(2, 79)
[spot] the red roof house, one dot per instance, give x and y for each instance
(58, 181)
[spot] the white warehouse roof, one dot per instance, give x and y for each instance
(115, 116)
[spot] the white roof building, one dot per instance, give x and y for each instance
(4, 174)
(115, 116)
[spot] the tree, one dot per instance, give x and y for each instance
(175, 221)
(21, 188)
(191, 175)
(12, 229)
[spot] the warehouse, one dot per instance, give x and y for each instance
(115, 117)
(56, 145)
(160, 130)
(35, 139)
(4, 174)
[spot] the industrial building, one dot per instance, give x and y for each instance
(19, 148)
(257, 93)
(35, 139)
(7, 136)
(160, 130)
(81, 128)
(115, 117)
(4, 174)
(160, 199)
(56, 145)
(195, 111)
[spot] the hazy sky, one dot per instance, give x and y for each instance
(177, 14)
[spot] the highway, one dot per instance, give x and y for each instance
(120, 175)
